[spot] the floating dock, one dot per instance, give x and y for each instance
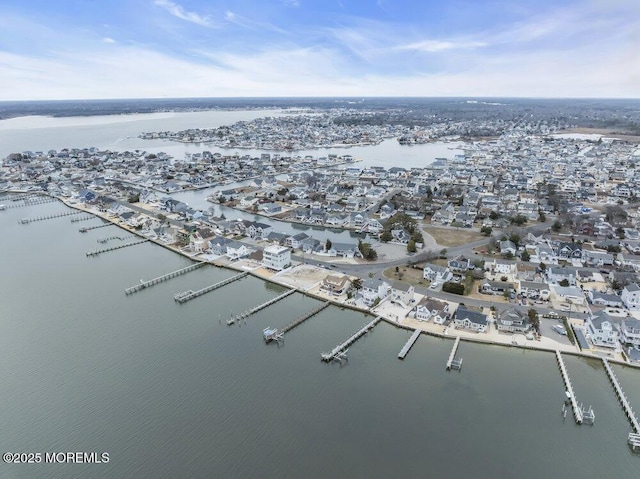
(634, 437)
(577, 411)
(25, 221)
(113, 248)
(409, 344)
(452, 356)
(269, 303)
(340, 351)
(160, 279)
(189, 295)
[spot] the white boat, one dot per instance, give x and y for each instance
(558, 328)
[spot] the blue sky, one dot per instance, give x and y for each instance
(69, 49)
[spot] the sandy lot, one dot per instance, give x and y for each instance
(303, 276)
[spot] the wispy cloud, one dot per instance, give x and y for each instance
(245, 22)
(291, 3)
(435, 46)
(108, 40)
(179, 12)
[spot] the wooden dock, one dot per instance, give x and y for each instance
(25, 221)
(577, 411)
(452, 355)
(28, 201)
(268, 303)
(89, 228)
(165, 277)
(189, 295)
(625, 403)
(340, 351)
(409, 344)
(113, 248)
(301, 319)
(83, 218)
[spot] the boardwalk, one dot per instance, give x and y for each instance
(189, 295)
(577, 411)
(160, 279)
(409, 344)
(623, 399)
(340, 350)
(452, 355)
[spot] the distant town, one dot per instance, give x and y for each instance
(529, 237)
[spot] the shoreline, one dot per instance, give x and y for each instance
(368, 312)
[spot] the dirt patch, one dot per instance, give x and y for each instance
(606, 133)
(448, 237)
(407, 275)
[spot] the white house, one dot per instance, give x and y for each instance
(602, 330)
(402, 294)
(434, 272)
(372, 289)
(630, 332)
(631, 296)
(276, 257)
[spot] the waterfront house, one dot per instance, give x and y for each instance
(402, 294)
(631, 296)
(433, 309)
(602, 330)
(630, 332)
(346, 250)
(472, 320)
(372, 289)
(335, 284)
(513, 320)
(276, 257)
(295, 241)
(257, 230)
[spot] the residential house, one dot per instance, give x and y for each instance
(372, 289)
(534, 290)
(296, 241)
(276, 257)
(602, 330)
(513, 320)
(472, 320)
(631, 296)
(630, 332)
(602, 299)
(557, 275)
(436, 273)
(335, 284)
(433, 309)
(402, 294)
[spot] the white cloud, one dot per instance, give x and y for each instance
(179, 12)
(291, 3)
(108, 40)
(435, 46)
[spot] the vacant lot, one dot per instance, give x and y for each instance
(406, 275)
(448, 237)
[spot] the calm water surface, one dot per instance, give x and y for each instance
(169, 390)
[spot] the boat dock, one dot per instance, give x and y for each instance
(82, 218)
(89, 228)
(113, 248)
(189, 295)
(28, 201)
(577, 411)
(165, 277)
(340, 351)
(409, 344)
(452, 362)
(300, 319)
(269, 303)
(25, 221)
(634, 437)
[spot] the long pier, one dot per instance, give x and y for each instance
(452, 355)
(340, 351)
(84, 229)
(164, 277)
(301, 319)
(113, 248)
(625, 404)
(189, 295)
(25, 221)
(29, 201)
(577, 411)
(268, 303)
(409, 344)
(83, 218)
